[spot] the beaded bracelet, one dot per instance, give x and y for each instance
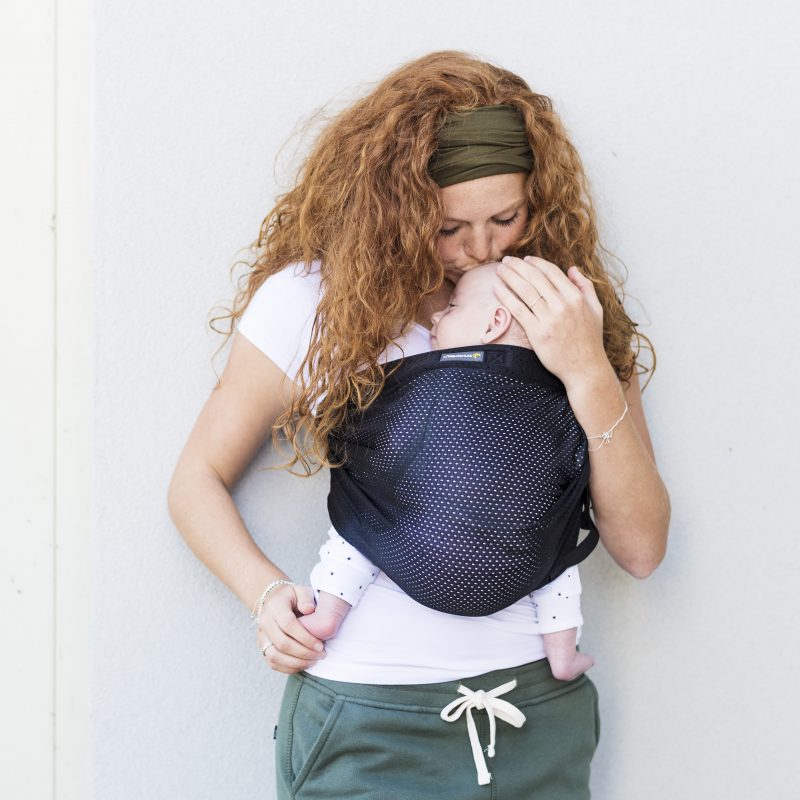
(606, 435)
(256, 613)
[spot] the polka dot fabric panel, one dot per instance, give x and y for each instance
(466, 481)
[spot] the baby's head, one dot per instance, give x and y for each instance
(474, 314)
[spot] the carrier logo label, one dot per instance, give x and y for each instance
(475, 355)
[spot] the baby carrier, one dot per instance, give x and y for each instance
(466, 480)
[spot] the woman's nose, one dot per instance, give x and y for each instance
(435, 317)
(479, 247)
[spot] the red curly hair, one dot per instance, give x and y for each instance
(365, 206)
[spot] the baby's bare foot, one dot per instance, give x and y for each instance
(323, 626)
(570, 667)
(324, 622)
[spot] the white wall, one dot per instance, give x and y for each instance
(46, 397)
(686, 115)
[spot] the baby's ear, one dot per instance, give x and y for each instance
(498, 326)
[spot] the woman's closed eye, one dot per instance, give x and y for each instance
(509, 221)
(501, 222)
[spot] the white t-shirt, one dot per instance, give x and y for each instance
(388, 638)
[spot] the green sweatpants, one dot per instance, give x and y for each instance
(348, 740)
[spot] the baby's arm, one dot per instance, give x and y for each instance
(339, 579)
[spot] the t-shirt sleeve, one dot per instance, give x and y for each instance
(279, 317)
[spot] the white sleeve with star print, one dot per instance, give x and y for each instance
(342, 570)
(558, 603)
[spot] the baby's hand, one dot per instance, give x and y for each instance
(325, 620)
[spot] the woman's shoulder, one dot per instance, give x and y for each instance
(290, 293)
(279, 315)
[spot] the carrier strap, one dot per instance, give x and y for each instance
(577, 554)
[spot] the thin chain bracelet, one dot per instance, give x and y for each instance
(256, 613)
(606, 435)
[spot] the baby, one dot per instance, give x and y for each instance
(473, 316)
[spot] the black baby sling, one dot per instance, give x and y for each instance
(466, 480)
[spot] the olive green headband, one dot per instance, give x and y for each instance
(490, 140)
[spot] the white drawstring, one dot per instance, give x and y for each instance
(494, 707)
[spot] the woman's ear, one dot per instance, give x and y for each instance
(499, 323)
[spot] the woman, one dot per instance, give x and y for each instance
(402, 193)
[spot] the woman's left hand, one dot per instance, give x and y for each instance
(565, 326)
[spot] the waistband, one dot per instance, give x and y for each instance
(534, 681)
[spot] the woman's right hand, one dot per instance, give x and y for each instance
(293, 648)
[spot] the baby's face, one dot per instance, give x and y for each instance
(469, 311)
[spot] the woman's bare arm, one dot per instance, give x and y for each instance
(234, 422)
(630, 502)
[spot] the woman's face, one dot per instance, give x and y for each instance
(484, 218)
